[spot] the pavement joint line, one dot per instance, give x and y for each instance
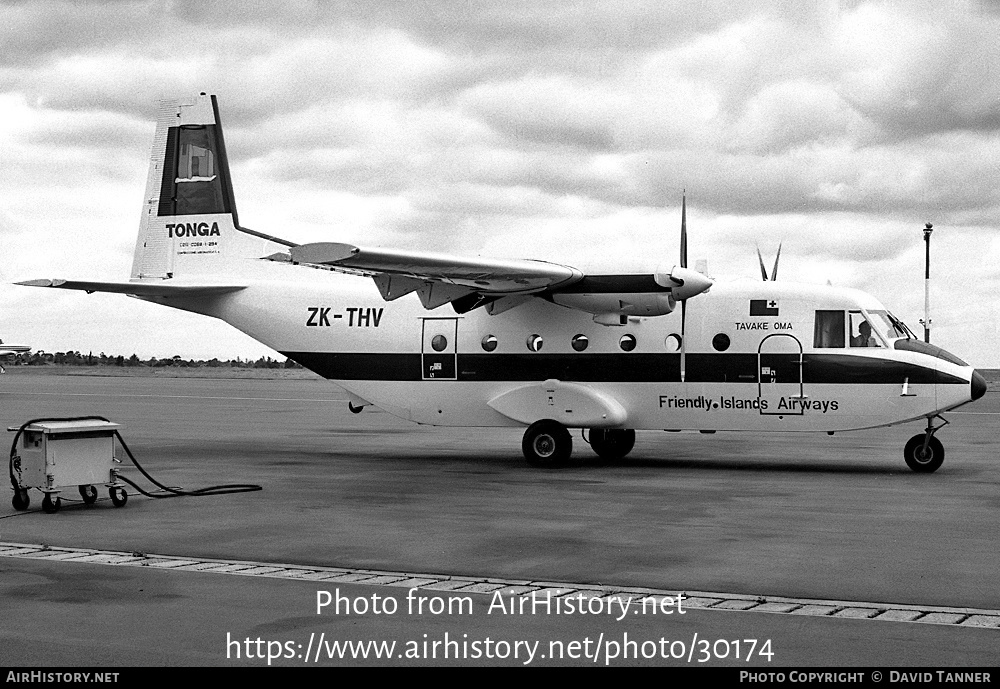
(976, 618)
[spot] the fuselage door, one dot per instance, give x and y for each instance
(779, 381)
(439, 351)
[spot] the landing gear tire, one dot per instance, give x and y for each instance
(49, 505)
(612, 443)
(89, 494)
(920, 460)
(21, 500)
(118, 497)
(547, 443)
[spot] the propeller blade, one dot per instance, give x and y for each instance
(774, 272)
(684, 232)
(683, 338)
(763, 270)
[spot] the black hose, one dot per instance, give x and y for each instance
(176, 492)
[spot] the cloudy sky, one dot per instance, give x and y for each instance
(556, 130)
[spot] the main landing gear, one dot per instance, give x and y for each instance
(923, 452)
(612, 443)
(548, 443)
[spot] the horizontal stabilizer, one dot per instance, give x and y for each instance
(145, 288)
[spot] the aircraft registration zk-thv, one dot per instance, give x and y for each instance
(529, 343)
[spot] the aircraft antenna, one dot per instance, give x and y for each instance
(763, 270)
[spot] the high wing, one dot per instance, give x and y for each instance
(439, 278)
(140, 288)
(468, 283)
(6, 349)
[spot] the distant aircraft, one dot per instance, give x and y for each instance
(525, 343)
(9, 350)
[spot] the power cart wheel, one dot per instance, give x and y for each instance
(923, 461)
(89, 494)
(21, 500)
(612, 443)
(49, 505)
(118, 497)
(547, 443)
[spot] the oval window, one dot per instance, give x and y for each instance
(490, 343)
(673, 342)
(627, 343)
(439, 343)
(721, 342)
(535, 343)
(580, 342)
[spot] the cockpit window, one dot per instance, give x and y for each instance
(862, 333)
(890, 326)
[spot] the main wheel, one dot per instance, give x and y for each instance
(21, 500)
(920, 460)
(118, 497)
(612, 443)
(547, 443)
(49, 505)
(89, 494)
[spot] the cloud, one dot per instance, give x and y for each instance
(556, 130)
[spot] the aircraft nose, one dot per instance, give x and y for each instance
(978, 385)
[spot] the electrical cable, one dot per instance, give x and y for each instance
(173, 492)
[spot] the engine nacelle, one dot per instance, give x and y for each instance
(622, 303)
(684, 283)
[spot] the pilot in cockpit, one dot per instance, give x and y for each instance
(864, 338)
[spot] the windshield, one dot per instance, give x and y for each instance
(889, 326)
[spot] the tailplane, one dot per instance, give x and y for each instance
(189, 222)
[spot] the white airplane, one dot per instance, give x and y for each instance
(11, 349)
(525, 343)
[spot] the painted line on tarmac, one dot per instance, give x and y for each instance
(638, 596)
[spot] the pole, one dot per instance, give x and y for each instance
(928, 228)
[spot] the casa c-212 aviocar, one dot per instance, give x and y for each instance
(443, 340)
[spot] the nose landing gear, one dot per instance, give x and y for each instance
(923, 452)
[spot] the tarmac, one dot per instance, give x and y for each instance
(829, 548)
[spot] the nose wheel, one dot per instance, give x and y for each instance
(924, 453)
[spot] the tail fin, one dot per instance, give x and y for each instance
(189, 222)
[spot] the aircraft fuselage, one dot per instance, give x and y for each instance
(750, 358)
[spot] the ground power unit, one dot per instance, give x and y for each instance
(53, 456)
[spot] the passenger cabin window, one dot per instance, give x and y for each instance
(861, 331)
(829, 329)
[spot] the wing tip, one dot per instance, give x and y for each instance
(41, 282)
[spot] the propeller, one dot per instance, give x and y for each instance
(684, 264)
